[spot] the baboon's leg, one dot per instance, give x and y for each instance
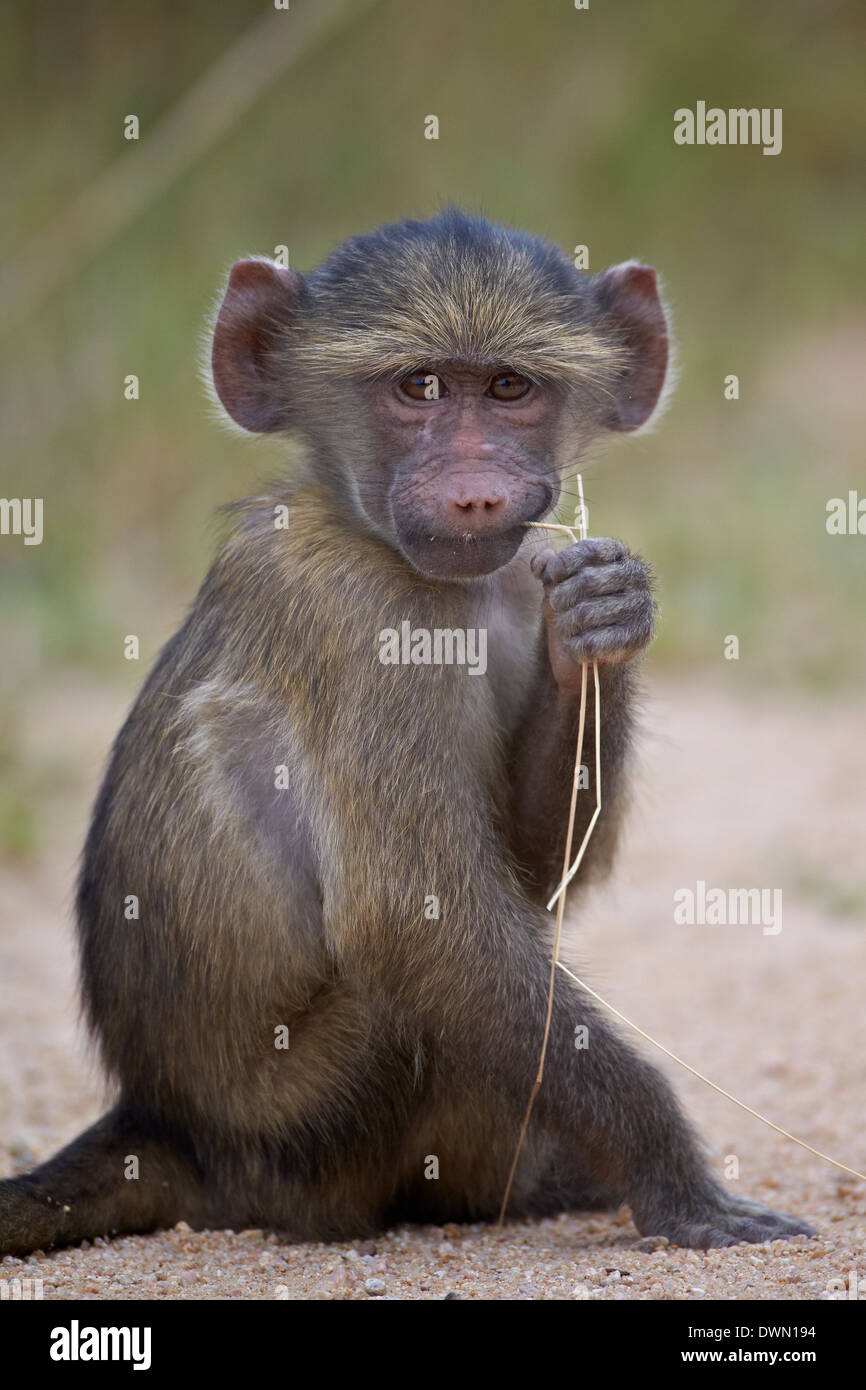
(561, 1185)
(83, 1191)
(328, 1171)
(472, 1136)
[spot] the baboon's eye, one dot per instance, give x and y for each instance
(423, 386)
(508, 386)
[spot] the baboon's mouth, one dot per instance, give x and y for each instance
(467, 555)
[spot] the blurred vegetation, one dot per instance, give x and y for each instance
(553, 119)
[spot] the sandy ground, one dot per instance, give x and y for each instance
(738, 790)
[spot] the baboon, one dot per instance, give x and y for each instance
(339, 964)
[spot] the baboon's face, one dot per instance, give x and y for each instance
(447, 376)
(464, 457)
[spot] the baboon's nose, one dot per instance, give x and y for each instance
(480, 507)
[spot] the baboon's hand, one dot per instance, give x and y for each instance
(723, 1220)
(598, 605)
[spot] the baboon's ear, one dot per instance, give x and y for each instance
(259, 303)
(629, 296)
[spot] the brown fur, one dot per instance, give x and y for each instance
(296, 899)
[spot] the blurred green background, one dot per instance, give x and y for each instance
(553, 119)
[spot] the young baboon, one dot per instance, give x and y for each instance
(339, 966)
